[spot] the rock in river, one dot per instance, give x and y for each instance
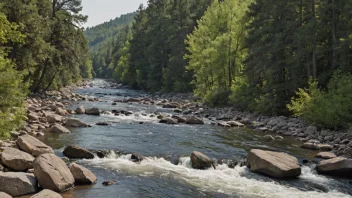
(194, 120)
(200, 161)
(18, 184)
(93, 111)
(58, 128)
(325, 155)
(16, 159)
(47, 194)
(73, 122)
(82, 175)
(80, 110)
(53, 173)
(168, 120)
(77, 152)
(274, 164)
(32, 145)
(336, 167)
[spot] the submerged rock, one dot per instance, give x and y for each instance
(338, 166)
(18, 184)
(200, 161)
(33, 146)
(77, 152)
(108, 183)
(274, 164)
(16, 159)
(82, 175)
(137, 157)
(53, 173)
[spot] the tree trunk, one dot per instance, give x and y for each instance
(314, 53)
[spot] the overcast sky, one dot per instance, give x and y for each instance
(99, 11)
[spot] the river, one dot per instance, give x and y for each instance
(157, 177)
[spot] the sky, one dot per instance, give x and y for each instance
(99, 11)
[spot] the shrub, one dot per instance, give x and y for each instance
(331, 108)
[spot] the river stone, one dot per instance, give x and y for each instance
(82, 175)
(326, 155)
(16, 159)
(194, 120)
(325, 147)
(18, 184)
(73, 122)
(92, 111)
(179, 119)
(33, 116)
(338, 166)
(47, 194)
(80, 110)
(200, 161)
(5, 195)
(168, 120)
(53, 173)
(311, 146)
(58, 128)
(235, 124)
(53, 118)
(33, 146)
(61, 111)
(77, 152)
(274, 164)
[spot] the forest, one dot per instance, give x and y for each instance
(271, 57)
(42, 47)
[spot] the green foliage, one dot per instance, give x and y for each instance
(12, 90)
(331, 108)
(216, 50)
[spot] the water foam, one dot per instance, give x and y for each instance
(233, 182)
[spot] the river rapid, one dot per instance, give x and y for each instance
(157, 177)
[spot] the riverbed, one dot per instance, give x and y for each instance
(157, 177)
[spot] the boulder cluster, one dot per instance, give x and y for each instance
(30, 166)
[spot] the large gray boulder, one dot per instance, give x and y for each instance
(194, 120)
(58, 128)
(32, 145)
(53, 118)
(338, 166)
(93, 111)
(200, 161)
(73, 122)
(47, 194)
(82, 175)
(18, 184)
(80, 110)
(17, 160)
(77, 152)
(274, 164)
(53, 173)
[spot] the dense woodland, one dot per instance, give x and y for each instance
(42, 47)
(272, 57)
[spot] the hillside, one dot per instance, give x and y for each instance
(107, 31)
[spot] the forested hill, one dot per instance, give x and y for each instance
(105, 32)
(103, 39)
(267, 56)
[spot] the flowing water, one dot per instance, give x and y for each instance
(157, 177)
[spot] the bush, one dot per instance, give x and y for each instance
(217, 97)
(331, 108)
